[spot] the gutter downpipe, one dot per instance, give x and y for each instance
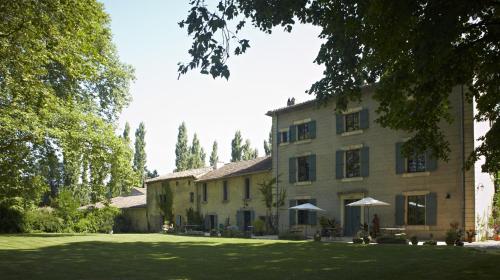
(276, 148)
(462, 132)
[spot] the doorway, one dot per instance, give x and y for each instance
(352, 218)
(247, 219)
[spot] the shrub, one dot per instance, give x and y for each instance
(11, 219)
(414, 240)
(44, 220)
(291, 236)
(357, 240)
(103, 219)
(122, 224)
(430, 243)
(259, 227)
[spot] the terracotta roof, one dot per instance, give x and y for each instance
(239, 168)
(136, 199)
(292, 107)
(310, 102)
(194, 173)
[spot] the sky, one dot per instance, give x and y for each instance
(276, 67)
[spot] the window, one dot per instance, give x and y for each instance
(303, 131)
(415, 210)
(416, 163)
(303, 169)
(247, 188)
(176, 183)
(353, 166)
(205, 194)
(284, 137)
(189, 182)
(352, 122)
(162, 198)
(302, 215)
(191, 197)
(224, 191)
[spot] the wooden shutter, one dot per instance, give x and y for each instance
(312, 215)
(340, 123)
(365, 162)
(292, 169)
(252, 216)
(292, 131)
(400, 163)
(292, 214)
(339, 164)
(364, 121)
(312, 168)
(431, 209)
(400, 210)
(207, 222)
(430, 161)
(312, 129)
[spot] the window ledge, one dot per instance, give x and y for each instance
(225, 201)
(416, 174)
(305, 183)
(284, 143)
(205, 202)
(359, 131)
(353, 179)
(247, 199)
(303, 141)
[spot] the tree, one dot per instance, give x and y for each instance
(390, 43)
(62, 87)
(269, 198)
(140, 152)
(236, 148)
(214, 158)
(268, 146)
(247, 152)
(197, 155)
(126, 132)
(182, 149)
(151, 174)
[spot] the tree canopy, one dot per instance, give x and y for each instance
(140, 152)
(62, 87)
(214, 157)
(415, 52)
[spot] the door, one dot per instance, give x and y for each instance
(212, 222)
(352, 218)
(247, 219)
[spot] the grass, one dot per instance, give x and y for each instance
(155, 256)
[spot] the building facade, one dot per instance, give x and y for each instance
(330, 160)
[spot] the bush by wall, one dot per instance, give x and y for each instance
(11, 219)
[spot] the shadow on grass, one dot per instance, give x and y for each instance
(201, 259)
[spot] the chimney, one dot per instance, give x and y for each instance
(290, 101)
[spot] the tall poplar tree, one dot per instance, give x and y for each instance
(236, 147)
(268, 145)
(247, 152)
(214, 158)
(140, 152)
(182, 153)
(197, 155)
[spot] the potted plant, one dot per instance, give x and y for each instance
(470, 235)
(451, 237)
(317, 236)
(414, 240)
(366, 239)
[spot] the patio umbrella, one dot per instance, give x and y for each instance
(368, 202)
(308, 207)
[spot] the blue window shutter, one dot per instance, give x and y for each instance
(400, 210)
(207, 222)
(312, 129)
(239, 219)
(178, 220)
(364, 121)
(431, 209)
(339, 164)
(216, 226)
(365, 162)
(340, 124)
(312, 167)
(291, 133)
(292, 170)
(430, 161)
(292, 213)
(252, 216)
(312, 215)
(400, 163)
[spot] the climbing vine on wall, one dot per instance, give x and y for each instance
(165, 200)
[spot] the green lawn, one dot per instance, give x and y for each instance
(155, 256)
